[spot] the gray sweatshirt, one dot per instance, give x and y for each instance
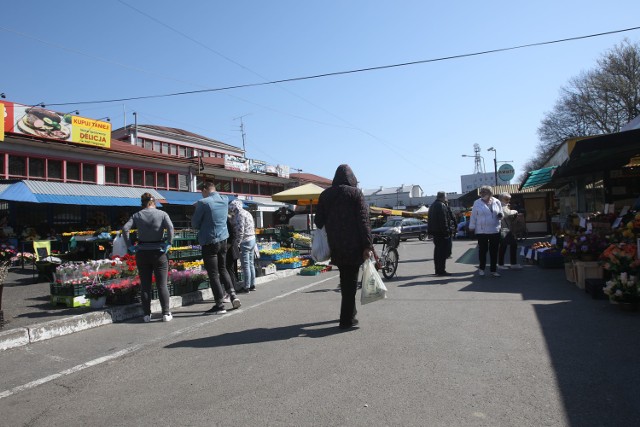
(151, 224)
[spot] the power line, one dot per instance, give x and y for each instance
(339, 73)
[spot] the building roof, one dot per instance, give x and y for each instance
(309, 177)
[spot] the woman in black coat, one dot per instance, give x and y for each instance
(344, 215)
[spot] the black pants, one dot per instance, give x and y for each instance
(214, 257)
(509, 241)
(348, 288)
(232, 269)
(491, 242)
(441, 251)
(153, 263)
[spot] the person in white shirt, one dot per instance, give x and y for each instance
(486, 215)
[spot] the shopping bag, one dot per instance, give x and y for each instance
(320, 246)
(119, 246)
(256, 252)
(373, 289)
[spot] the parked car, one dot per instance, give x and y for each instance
(409, 227)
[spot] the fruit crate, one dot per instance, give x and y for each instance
(289, 265)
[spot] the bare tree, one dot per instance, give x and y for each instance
(599, 101)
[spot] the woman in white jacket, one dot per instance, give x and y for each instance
(486, 215)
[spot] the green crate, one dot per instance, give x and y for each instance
(70, 301)
(66, 290)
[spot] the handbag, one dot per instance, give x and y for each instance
(373, 288)
(320, 250)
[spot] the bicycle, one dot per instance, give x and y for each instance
(388, 259)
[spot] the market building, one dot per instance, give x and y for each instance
(62, 172)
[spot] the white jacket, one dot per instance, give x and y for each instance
(484, 217)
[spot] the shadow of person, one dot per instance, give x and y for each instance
(258, 335)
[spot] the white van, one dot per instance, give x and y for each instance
(302, 222)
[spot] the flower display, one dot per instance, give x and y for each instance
(7, 252)
(623, 288)
(95, 290)
(620, 258)
(123, 286)
(584, 245)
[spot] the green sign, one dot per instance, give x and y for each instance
(506, 172)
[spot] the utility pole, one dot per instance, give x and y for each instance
(242, 133)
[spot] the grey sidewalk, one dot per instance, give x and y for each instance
(30, 317)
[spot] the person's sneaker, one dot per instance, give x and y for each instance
(480, 272)
(226, 298)
(445, 274)
(167, 317)
(495, 274)
(146, 318)
(236, 303)
(242, 291)
(216, 310)
(503, 267)
(516, 267)
(253, 288)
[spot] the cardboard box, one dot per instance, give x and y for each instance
(587, 270)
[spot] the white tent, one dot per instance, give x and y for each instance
(422, 209)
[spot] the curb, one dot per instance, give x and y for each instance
(56, 328)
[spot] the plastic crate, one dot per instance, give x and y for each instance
(550, 260)
(67, 290)
(289, 265)
(70, 301)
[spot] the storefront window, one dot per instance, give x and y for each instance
(88, 173)
(138, 178)
(182, 151)
(2, 171)
(17, 166)
(150, 179)
(73, 171)
(36, 168)
(224, 186)
(156, 146)
(165, 148)
(111, 175)
(174, 149)
(173, 181)
(125, 176)
(148, 144)
(162, 180)
(246, 188)
(54, 169)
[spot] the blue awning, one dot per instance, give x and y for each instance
(538, 177)
(180, 197)
(75, 194)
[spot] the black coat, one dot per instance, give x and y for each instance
(439, 219)
(233, 251)
(344, 215)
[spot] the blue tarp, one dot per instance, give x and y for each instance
(20, 192)
(180, 197)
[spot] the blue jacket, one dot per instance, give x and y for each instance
(210, 219)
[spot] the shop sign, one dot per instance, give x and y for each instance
(43, 123)
(506, 172)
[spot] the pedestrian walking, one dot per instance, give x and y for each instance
(155, 235)
(245, 240)
(486, 215)
(344, 215)
(440, 218)
(210, 219)
(233, 254)
(507, 237)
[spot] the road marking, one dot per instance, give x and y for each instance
(132, 349)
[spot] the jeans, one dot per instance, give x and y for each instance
(214, 257)
(348, 288)
(247, 263)
(509, 241)
(153, 263)
(441, 251)
(491, 242)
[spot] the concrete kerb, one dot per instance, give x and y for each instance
(56, 328)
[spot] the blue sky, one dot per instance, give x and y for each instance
(403, 125)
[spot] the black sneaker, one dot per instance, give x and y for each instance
(354, 322)
(253, 288)
(216, 310)
(446, 273)
(242, 291)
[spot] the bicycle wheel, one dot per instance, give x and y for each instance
(390, 264)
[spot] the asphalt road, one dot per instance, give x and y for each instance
(526, 349)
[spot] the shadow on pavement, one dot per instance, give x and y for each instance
(258, 335)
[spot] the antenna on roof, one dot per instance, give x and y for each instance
(242, 133)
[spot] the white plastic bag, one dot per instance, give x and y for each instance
(320, 246)
(119, 246)
(373, 289)
(256, 252)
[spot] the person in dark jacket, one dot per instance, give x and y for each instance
(233, 253)
(440, 229)
(344, 215)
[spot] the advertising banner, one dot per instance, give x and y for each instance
(43, 123)
(2, 113)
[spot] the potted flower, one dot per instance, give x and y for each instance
(97, 294)
(624, 290)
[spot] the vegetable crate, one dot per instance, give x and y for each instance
(289, 265)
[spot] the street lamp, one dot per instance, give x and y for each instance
(495, 163)
(479, 168)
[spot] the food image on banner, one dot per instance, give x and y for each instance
(38, 121)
